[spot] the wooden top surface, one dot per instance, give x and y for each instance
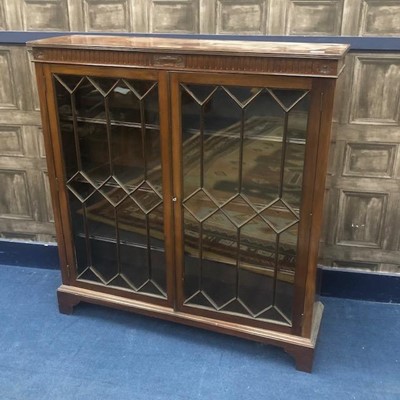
(188, 46)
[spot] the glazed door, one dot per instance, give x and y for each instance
(110, 131)
(240, 145)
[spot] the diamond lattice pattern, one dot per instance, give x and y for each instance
(243, 157)
(111, 128)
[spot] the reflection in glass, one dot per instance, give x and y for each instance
(243, 158)
(110, 134)
(78, 229)
(191, 154)
(66, 128)
(94, 151)
(262, 149)
(296, 139)
(124, 103)
(216, 146)
(285, 271)
(127, 156)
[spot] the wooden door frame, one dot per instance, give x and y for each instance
(305, 265)
(61, 203)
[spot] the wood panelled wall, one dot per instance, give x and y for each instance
(25, 207)
(362, 216)
(264, 17)
(257, 17)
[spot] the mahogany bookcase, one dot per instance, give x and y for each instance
(187, 178)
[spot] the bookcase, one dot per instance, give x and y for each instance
(187, 178)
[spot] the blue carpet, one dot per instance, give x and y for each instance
(98, 353)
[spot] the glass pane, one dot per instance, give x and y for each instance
(89, 100)
(278, 216)
(219, 239)
(124, 104)
(134, 265)
(157, 250)
(257, 246)
(152, 115)
(200, 205)
(288, 98)
(262, 149)
(94, 150)
(104, 259)
(153, 159)
(239, 211)
(243, 159)
(286, 270)
(295, 148)
(78, 228)
(66, 128)
(255, 290)
(219, 247)
(156, 227)
(131, 223)
(111, 144)
(127, 156)
(191, 233)
(192, 278)
(191, 142)
(221, 138)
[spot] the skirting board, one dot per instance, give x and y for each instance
(333, 282)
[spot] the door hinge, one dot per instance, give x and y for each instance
(57, 185)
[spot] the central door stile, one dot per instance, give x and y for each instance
(166, 133)
(177, 185)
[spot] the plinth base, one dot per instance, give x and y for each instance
(301, 349)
